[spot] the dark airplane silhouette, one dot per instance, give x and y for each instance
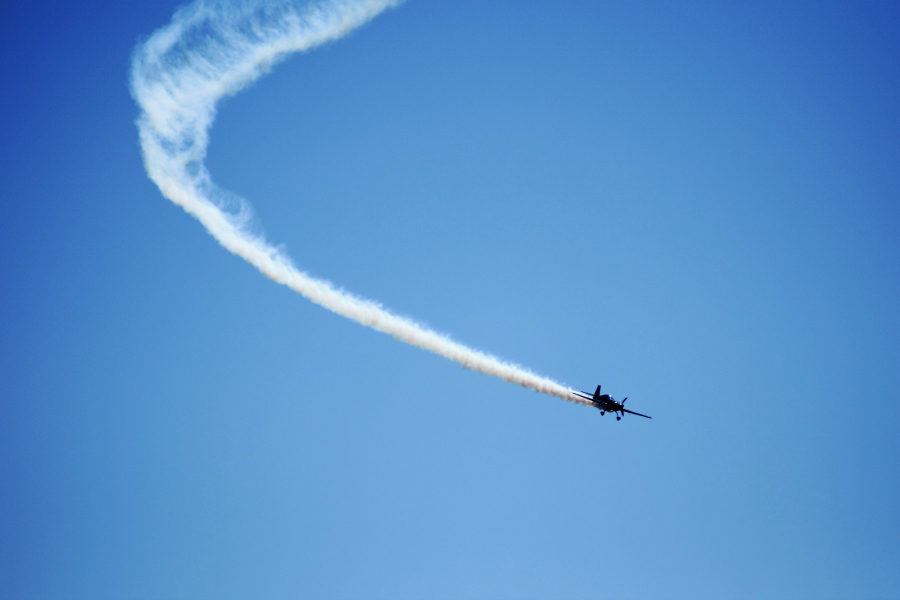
(606, 403)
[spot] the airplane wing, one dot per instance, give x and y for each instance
(583, 395)
(631, 412)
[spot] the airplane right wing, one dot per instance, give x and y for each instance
(583, 395)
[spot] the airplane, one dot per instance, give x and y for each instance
(606, 403)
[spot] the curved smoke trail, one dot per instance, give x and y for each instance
(214, 48)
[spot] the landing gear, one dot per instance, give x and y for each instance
(602, 413)
(618, 418)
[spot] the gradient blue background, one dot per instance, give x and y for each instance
(695, 205)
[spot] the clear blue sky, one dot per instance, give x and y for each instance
(694, 204)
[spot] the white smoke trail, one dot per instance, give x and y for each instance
(214, 48)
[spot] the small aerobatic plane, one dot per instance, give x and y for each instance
(606, 403)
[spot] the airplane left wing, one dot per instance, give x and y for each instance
(631, 412)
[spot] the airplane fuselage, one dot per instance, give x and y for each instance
(607, 403)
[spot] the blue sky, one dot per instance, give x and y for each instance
(694, 205)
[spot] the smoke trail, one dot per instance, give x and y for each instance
(214, 48)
